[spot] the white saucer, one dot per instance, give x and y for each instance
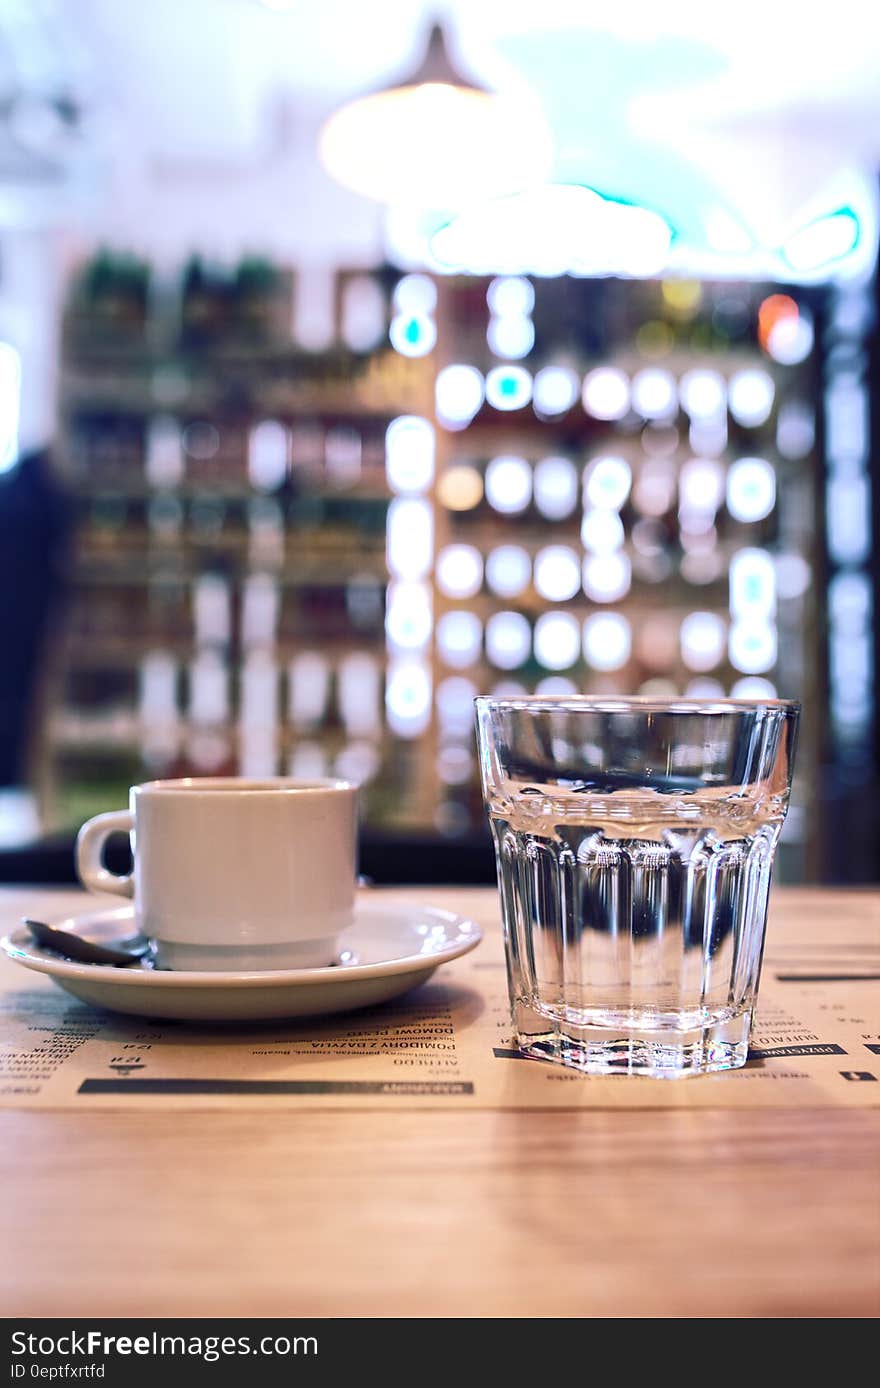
(389, 949)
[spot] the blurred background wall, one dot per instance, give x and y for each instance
(549, 367)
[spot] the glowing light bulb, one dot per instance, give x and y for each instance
(607, 577)
(555, 390)
(409, 454)
(508, 640)
(455, 705)
(460, 488)
(510, 337)
(412, 335)
(458, 395)
(416, 294)
(408, 698)
(751, 489)
(555, 488)
(557, 640)
(557, 573)
(752, 584)
(654, 394)
(703, 394)
(702, 640)
(268, 455)
(606, 393)
(790, 340)
(436, 143)
(701, 486)
(508, 484)
(508, 570)
(607, 482)
(508, 387)
(511, 296)
(752, 646)
(408, 618)
(459, 636)
(607, 640)
(459, 571)
(602, 531)
(409, 537)
(751, 395)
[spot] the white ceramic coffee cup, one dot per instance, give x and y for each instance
(232, 873)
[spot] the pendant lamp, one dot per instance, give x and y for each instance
(437, 139)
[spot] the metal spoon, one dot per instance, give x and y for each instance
(84, 951)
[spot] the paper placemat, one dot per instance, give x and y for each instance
(448, 1044)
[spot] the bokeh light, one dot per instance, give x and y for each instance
(606, 393)
(510, 296)
(458, 395)
(508, 387)
(555, 485)
(508, 484)
(415, 294)
(751, 489)
(459, 571)
(557, 573)
(412, 335)
(508, 640)
(408, 617)
(510, 337)
(607, 577)
(555, 390)
(751, 394)
(455, 705)
(607, 640)
(752, 646)
(654, 394)
(703, 394)
(602, 531)
(607, 482)
(409, 454)
(703, 638)
(557, 640)
(459, 638)
(460, 488)
(508, 570)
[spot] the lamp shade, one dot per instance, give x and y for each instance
(437, 139)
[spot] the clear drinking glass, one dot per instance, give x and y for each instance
(634, 840)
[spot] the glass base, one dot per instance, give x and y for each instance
(659, 1052)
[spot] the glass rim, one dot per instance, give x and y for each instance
(632, 703)
(243, 785)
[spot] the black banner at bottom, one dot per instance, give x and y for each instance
(135, 1352)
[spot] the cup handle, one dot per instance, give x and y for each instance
(90, 853)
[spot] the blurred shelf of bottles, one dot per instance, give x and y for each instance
(627, 502)
(312, 561)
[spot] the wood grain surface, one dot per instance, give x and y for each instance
(672, 1213)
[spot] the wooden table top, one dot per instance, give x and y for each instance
(604, 1213)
